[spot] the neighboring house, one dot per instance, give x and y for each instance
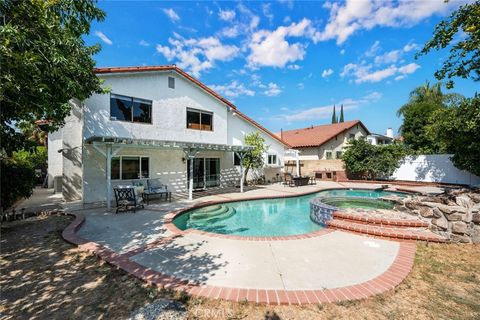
(152, 124)
(321, 147)
(379, 139)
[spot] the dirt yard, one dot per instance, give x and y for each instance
(43, 277)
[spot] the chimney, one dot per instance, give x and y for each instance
(389, 133)
(281, 134)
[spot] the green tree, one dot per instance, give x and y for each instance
(45, 62)
(417, 115)
(464, 59)
(341, 114)
(254, 159)
(334, 116)
(365, 161)
(457, 129)
(33, 132)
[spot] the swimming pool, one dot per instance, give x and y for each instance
(265, 217)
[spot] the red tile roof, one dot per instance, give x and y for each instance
(195, 81)
(317, 135)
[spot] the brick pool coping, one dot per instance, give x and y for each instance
(393, 276)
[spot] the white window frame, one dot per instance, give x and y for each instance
(268, 159)
(140, 166)
(331, 154)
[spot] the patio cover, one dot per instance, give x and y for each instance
(110, 146)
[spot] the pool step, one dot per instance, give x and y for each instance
(225, 213)
(402, 233)
(407, 223)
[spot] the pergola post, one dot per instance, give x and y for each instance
(297, 160)
(109, 175)
(190, 154)
(241, 156)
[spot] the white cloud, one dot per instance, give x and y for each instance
(326, 73)
(226, 15)
(197, 55)
(372, 51)
(293, 67)
(271, 48)
(342, 52)
(347, 18)
(230, 32)
(410, 46)
(324, 112)
(233, 89)
(144, 43)
(171, 14)
(266, 12)
(300, 85)
(364, 73)
(388, 57)
(273, 90)
(103, 37)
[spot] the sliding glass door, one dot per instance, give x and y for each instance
(206, 172)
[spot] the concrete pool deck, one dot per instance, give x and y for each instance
(326, 267)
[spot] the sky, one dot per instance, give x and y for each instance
(285, 63)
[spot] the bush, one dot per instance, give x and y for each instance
(18, 174)
(365, 161)
(18, 181)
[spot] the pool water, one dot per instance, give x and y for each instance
(265, 217)
(358, 203)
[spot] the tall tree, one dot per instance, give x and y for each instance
(457, 128)
(417, 115)
(45, 62)
(341, 114)
(461, 31)
(334, 116)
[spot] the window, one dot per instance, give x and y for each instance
(171, 82)
(272, 159)
(236, 159)
(130, 109)
(351, 136)
(338, 154)
(370, 141)
(199, 120)
(127, 167)
(328, 154)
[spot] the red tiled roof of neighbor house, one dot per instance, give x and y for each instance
(317, 135)
(195, 81)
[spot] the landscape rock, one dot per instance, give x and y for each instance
(475, 197)
(460, 238)
(432, 204)
(426, 212)
(476, 218)
(464, 201)
(475, 234)
(459, 227)
(441, 222)
(456, 216)
(437, 213)
(451, 209)
(411, 204)
(160, 309)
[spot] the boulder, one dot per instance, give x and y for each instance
(411, 204)
(459, 227)
(451, 209)
(456, 216)
(474, 196)
(437, 213)
(430, 199)
(464, 201)
(426, 212)
(460, 238)
(476, 218)
(441, 222)
(431, 204)
(475, 234)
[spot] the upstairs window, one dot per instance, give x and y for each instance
(171, 82)
(199, 120)
(272, 159)
(328, 155)
(351, 136)
(130, 109)
(338, 155)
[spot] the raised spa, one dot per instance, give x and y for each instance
(268, 217)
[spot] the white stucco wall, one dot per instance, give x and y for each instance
(433, 168)
(55, 159)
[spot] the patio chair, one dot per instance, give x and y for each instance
(156, 187)
(288, 181)
(125, 197)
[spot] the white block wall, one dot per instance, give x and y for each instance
(433, 168)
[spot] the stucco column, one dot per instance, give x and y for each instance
(297, 160)
(109, 175)
(190, 154)
(241, 155)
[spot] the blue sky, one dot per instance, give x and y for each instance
(286, 63)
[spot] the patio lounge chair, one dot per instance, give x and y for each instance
(156, 187)
(126, 196)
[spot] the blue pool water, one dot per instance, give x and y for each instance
(264, 218)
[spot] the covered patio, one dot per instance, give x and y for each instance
(109, 147)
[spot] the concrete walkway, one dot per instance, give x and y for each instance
(331, 260)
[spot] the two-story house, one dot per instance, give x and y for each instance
(321, 147)
(156, 122)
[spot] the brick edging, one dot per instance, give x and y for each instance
(388, 280)
(380, 221)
